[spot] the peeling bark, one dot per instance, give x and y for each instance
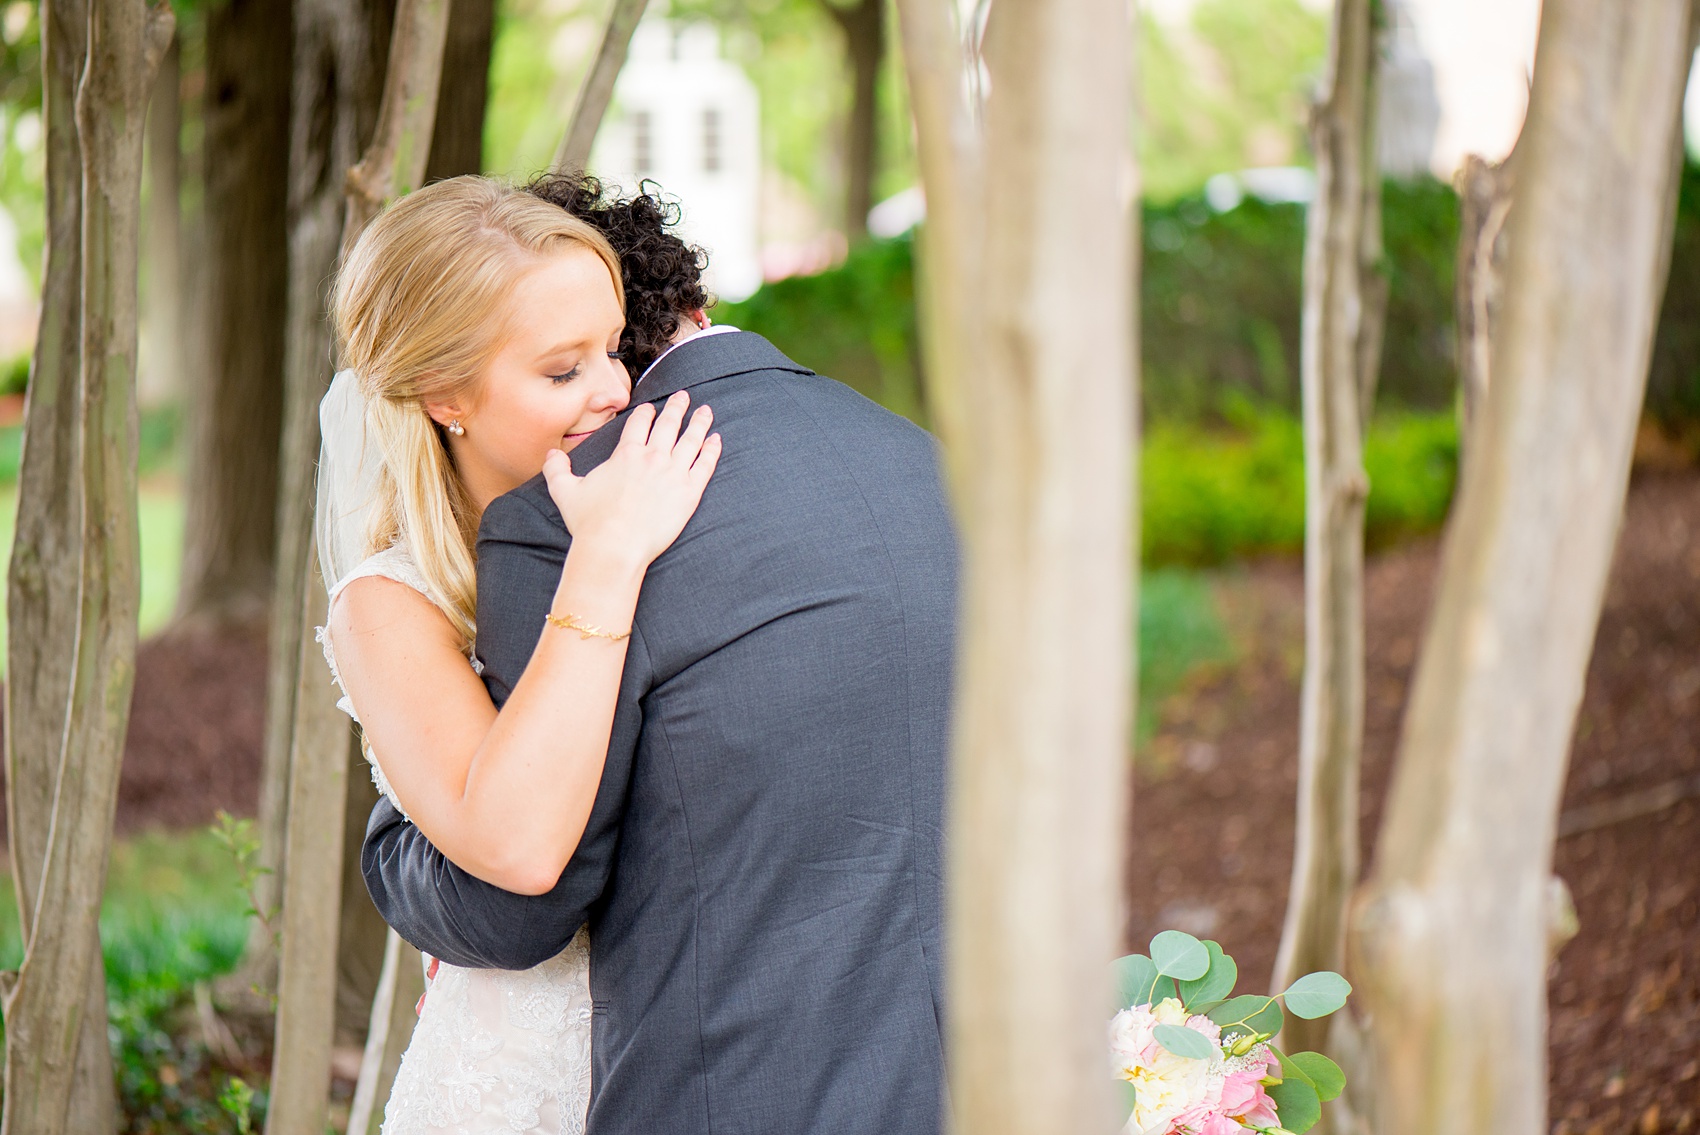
(1450, 936)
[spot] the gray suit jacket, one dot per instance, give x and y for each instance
(763, 865)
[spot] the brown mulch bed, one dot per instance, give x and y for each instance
(196, 721)
(1625, 993)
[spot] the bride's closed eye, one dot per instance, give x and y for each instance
(562, 379)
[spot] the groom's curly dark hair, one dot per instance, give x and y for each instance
(662, 274)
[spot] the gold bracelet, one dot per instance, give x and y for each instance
(569, 622)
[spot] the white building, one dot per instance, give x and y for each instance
(690, 121)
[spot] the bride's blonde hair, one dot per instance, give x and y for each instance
(418, 311)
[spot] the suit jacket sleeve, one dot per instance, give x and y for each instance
(428, 900)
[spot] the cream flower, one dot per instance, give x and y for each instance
(1166, 1086)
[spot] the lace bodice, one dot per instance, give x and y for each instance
(494, 1050)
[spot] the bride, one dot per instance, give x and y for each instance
(481, 326)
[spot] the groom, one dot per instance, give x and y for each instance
(762, 870)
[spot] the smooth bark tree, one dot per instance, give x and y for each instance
(596, 91)
(163, 360)
(457, 139)
(1449, 937)
(47, 1015)
(235, 413)
(41, 598)
(313, 891)
(1035, 388)
(1345, 297)
(341, 47)
(863, 26)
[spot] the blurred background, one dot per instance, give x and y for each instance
(783, 129)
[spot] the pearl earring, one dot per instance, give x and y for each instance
(457, 429)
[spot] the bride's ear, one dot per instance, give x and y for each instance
(445, 412)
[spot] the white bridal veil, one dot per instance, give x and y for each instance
(348, 479)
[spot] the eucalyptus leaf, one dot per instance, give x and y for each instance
(1317, 994)
(1126, 1097)
(1180, 956)
(1324, 1075)
(1134, 977)
(1297, 1104)
(1252, 1013)
(1183, 1041)
(1217, 982)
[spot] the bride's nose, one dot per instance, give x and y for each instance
(613, 387)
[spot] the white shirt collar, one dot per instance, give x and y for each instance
(701, 333)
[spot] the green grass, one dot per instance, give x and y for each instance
(174, 914)
(1180, 629)
(161, 510)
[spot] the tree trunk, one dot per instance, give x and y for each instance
(400, 986)
(46, 554)
(457, 139)
(45, 1014)
(236, 414)
(1042, 723)
(863, 26)
(597, 89)
(320, 757)
(1484, 204)
(340, 51)
(1450, 934)
(163, 332)
(1345, 298)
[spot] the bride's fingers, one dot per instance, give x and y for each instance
(703, 467)
(667, 423)
(690, 442)
(636, 429)
(558, 475)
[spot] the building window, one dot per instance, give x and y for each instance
(711, 141)
(643, 144)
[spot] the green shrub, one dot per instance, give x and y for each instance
(15, 374)
(855, 323)
(1211, 495)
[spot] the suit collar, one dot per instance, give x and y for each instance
(692, 363)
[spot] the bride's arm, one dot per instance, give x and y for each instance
(506, 796)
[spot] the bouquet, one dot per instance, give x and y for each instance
(1195, 1060)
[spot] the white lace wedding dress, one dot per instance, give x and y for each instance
(494, 1050)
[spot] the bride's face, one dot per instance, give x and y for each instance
(552, 383)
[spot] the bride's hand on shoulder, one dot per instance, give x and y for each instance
(636, 503)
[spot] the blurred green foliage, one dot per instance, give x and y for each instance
(1209, 495)
(174, 916)
(855, 323)
(1226, 89)
(1221, 295)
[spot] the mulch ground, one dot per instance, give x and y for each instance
(1625, 993)
(196, 721)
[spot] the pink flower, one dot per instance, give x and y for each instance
(1243, 1096)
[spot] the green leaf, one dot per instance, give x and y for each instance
(1183, 1041)
(1180, 956)
(1297, 1104)
(1134, 976)
(1126, 1097)
(1217, 982)
(1322, 1073)
(1252, 1013)
(1316, 994)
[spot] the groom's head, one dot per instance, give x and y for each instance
(661, 274)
